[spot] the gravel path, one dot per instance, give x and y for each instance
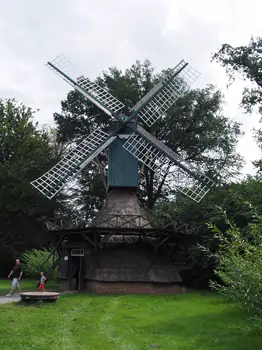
(16, 298)
(5, 300)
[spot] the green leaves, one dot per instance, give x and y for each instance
(239, 266)
(32, 262)
(25, 153)
(245, 62)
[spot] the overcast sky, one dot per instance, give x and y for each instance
(96, 34)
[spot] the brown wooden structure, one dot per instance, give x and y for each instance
(39, 296)
(119, 251)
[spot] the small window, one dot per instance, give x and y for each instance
(77, 252)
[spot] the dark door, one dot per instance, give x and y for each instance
(77, 271)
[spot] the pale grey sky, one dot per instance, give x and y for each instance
(97, 34)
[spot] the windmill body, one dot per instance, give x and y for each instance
(122, 166)
(120, 251)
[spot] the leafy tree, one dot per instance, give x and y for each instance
(239, 265)
(194, 127)
(245, 62)
(239, 201)
(32, 263)
(25, 153)
(258, 163)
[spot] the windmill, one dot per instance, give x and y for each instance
(143, 146)
(128, 143)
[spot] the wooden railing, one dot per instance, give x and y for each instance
(65, 223)
(108, 221)
(117, 221)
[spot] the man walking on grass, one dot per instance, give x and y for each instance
(16, 273)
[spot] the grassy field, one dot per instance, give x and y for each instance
(80, 322)
(26, 285)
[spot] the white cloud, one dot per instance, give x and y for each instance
(98, 34)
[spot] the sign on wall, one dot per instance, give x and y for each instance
(77, 252)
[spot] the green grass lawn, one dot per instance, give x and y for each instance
(26, 285)
(190, 321)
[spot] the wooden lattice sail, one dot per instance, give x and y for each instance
(137, 142)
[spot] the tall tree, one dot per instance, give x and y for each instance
(245, 62)
(195, 126)
(240, 201)
(25, 153)
(258, 163)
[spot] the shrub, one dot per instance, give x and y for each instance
(239, 265)
(32, 262)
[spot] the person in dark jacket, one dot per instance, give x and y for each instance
(16, 274)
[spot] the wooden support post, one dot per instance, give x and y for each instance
(89, 240)
(70, 270)
(104, 240)
(80, 274)
(163, 241)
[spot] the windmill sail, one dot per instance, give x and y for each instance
(158, 157)
(68, 167)
(165, 93)
(142, 145)
(92, 91)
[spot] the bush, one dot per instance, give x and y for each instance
(239, 265)
(32, 262)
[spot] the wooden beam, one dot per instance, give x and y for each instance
(89, 240)
(103, 240)
(163, 241)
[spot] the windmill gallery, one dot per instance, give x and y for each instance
(120, 251)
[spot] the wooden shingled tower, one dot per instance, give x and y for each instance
(120, 252)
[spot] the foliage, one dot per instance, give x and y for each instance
(32, 262)
(239, 265)
(258, 163)
(241, 201)
(183, 321)
(25, 153)
(195, 128)
(248, 190)
(244, 61)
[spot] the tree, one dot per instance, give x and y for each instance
(25, 153)
(258, 163)
(195, 126)
(246, 62)
(242, 203)
(238, 262)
